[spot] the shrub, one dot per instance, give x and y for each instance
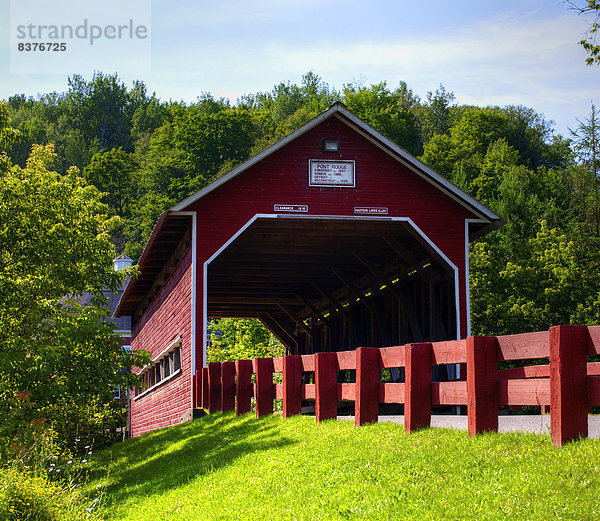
(24, 496)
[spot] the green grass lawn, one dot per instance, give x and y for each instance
(220, 467)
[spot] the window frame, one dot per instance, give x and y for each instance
(161, 369)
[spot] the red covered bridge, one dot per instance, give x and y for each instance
(334, 237)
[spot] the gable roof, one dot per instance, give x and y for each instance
(490, 220)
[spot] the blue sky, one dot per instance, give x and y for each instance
(486, 52)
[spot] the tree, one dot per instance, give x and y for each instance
(460, 153)
(186, 152)
(54, 248)
(554, 280)
(435, 116)
(589, 43)
(586, 175)
(112, 172)
(101, 110)
(241, 339)
(383, 109)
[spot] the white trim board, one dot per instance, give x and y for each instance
(467, 284)
(168, 349)
(193, 346)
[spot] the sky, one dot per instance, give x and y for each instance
(487, 52)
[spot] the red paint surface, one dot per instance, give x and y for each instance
(168, 317)
(263, 368)
(574, 383)
(325, 386)
(243, 387)
(228, 386)
(292, 385)
(568, 384)
(367, 386)
(482, 384)
(417, 408)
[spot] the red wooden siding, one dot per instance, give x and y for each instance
(168, 317)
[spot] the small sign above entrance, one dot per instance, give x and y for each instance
(299, 208)
(370, 210)
(331, 173)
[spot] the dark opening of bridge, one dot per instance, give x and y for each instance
(331, 284)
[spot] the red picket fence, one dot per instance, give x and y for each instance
(568, 385)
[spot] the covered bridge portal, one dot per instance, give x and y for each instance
(331, 283)
(334, 237)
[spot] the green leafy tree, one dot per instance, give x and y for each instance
(147, 112)
(54, 248)
(461, 154)
(187, 151)
(586, 175)
(383, 109)
(287, 107)
(91, 117)
(100, 109)
(555, 280)
(145, 213)
(436, 116)
(113, 172)
(241, 339)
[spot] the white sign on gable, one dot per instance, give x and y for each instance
(370, 210)
(331, 173)
(301, 208)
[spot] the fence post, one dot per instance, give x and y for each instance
(227, 386)
(204, 387)
(568, 384)
(417, 387)
(325, 386)
(197, 389)
(243, 387)
(366, 389)
(263, 368)
(292, 385)
(214, 387)
(482, 384)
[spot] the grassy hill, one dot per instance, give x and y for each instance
(222, 467)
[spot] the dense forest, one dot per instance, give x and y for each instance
(542, 268)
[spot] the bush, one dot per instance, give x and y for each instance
(24, 496)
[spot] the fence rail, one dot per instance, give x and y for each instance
(568, 385)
